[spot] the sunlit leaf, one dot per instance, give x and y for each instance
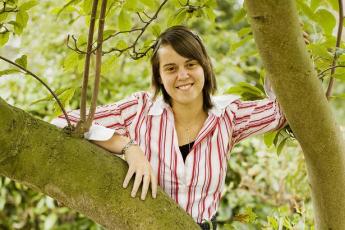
(8, 72)
(124, 20)
(27, 5)
(4, 38)
(326, 20)
(150, 3)
(3, 16)
(210, 14)
(22, 61)
(281, 146)
(269, 137)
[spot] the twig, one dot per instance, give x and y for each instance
(87, 67)
(76, 49)
(340, 30)
(141, 19)
(43, 83)
(320, 75)
(135, 54)
(98, 64)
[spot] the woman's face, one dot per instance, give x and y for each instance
(182, 78)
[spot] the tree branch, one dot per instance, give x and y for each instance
(80, 125)
(335, 58)
(321, 74)
(43, 83)
(135, 54)
(98, 64)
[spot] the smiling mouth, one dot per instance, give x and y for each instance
(185, 87)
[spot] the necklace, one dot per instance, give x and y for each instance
(187, 133)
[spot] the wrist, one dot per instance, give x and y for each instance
(127, 146)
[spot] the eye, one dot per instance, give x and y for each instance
(192, 64)
(170, 69)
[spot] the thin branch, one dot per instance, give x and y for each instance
(98, 64)
(340, 30)
(43, 83)
(141, 19)
(141, 30)
(75, 48)
(321, 74)
(87, 67)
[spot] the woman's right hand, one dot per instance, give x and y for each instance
(140, 166)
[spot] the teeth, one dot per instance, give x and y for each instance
(185, 87)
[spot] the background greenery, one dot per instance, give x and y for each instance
(266, 184)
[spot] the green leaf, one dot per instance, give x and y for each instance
(122, 44)
(22, 61)
(239, 15)
(244, 31)
(50, 97)
(65, 98)
(71, 61)
(22, 18)
(130, 5)
(151, 4)
(66, 6)
(4, 38)
(211, 3)
(334, 4)
(269, 137)
(210, 14)
(8, 72)
(27, 5)
(156, 30)
(178, 18)
(250, 88)
(320, 50)
(306, 9)
(339, 76)
(108, 33)
(3, 16)
(326, 20)
(124, 20)
(339, 96)
(281, 145)
(240, 43)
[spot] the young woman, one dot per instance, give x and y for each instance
(180, 140)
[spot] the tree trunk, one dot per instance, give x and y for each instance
(278, 36)
(79, 174)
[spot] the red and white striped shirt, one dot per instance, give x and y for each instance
(197, 183)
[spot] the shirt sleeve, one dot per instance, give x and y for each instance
(108, 119)
(255, 117)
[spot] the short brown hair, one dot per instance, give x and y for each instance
(188, 45)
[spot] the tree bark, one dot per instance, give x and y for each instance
(79, 174)
(278, 36)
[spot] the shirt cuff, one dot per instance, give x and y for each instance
(99, 133)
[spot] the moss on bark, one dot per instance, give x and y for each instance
(278, 36)
(79, 174)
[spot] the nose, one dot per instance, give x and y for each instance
(182, 73)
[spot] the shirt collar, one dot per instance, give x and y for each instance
(219, 105)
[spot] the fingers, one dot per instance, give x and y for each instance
(153, 185)
(145, 187)
(137, 182)
(128, 177)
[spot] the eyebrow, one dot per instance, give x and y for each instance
(171, 64)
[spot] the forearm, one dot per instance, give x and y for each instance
(115, 144)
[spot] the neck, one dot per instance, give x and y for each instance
(185, 113)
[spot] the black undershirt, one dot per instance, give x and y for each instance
(185, 149)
